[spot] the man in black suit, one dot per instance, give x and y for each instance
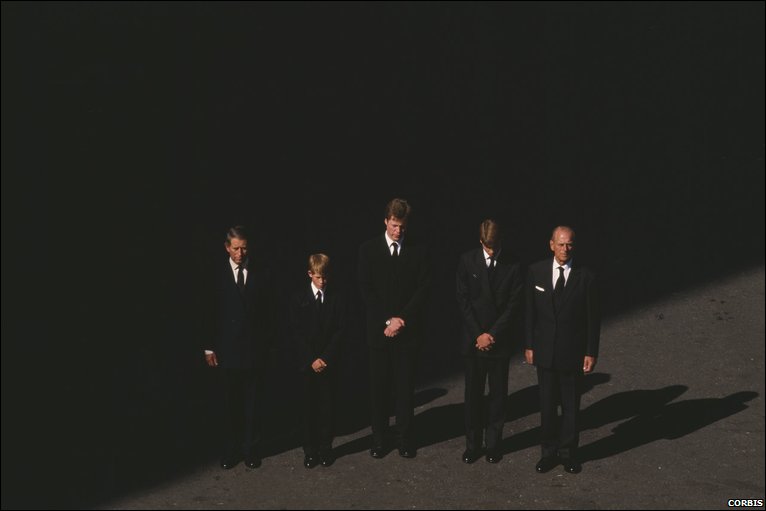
(393, 277)
(317, 326)
(563, 325)
(244, 328)
(489, 293)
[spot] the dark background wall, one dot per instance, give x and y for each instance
(134, 133)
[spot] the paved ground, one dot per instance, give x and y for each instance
(673, 419)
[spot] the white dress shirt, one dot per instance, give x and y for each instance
(567, 269)
(390, 244)
(487, 259)
(317, 290)
(234, 270)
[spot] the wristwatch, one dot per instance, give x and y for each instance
(388, 322)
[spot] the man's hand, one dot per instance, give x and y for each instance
(318, 365)
(211, 359)
(529, 356)
(588, 364)
(393, 329)
(484, 342)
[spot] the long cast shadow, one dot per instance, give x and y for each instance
(359, 418)
(442, 423)
(527, 402)
(651, 416)
(671, 421)
(610, 409)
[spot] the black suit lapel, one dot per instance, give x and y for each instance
(481, 270)
(547, 282)
(250, 284)
(229, 280)
(312, 310)
(327, 306)
(386, 249)
(574, 278)
(309, 296)
(501, 270)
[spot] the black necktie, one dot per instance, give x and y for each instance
(558, 290)
(395, 253)
(241, 279)
(318, 300)
(491, 266)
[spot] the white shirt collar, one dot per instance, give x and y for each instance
(487, 256)
(234, 265)
(316, 290)
(567, 266)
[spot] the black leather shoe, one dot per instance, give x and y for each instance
(494, 457)
(253, 462)
(377, 452)
(227, 463)
(406, 452)
(469, 456)
(310, 461)
(545, 464)
(572, 466)
(326, 458)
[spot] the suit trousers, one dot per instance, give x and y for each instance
(560, 436)
(318, 411)
(480, 420)
(241, 425)
(392, 367)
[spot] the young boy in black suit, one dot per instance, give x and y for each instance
(318, 322)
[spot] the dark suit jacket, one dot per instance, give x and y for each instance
(244, 324)
(317, 333)
(495, 308)
(393, 287)
(561, 338)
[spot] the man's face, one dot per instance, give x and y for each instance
(395, 228)
(318, 279)
(237, 249)
(562, 245)
(491, 252)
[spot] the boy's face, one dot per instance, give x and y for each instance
(490, 251)
(318, 279)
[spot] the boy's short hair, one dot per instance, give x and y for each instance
(319, 264)
(489, 233)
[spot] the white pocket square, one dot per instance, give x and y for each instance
(539, 288)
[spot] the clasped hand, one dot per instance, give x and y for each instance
(393, 329)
